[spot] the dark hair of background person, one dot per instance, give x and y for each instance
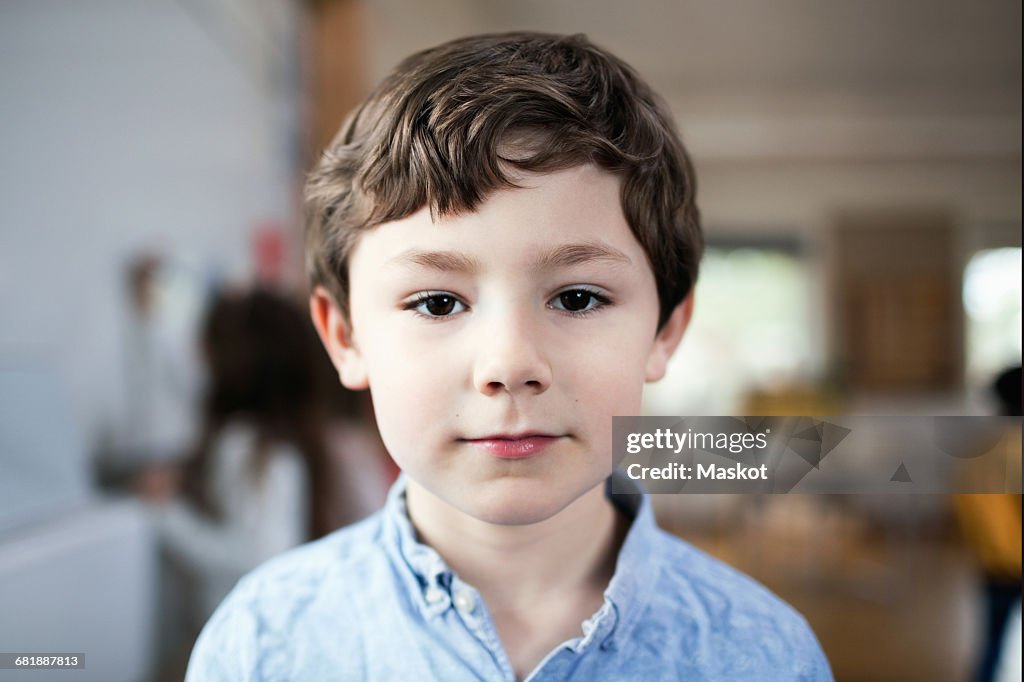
(445, 127)
(1007, 388)
(265, 365)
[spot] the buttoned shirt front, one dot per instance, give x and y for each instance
(371, 602)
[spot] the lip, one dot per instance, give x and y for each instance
(514, 446)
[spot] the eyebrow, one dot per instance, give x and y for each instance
(577, 254)
(563, 256)
(442, 261)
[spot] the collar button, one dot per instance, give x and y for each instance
(464, 602)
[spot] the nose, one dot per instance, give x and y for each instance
(510, 358)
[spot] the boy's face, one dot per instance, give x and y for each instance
(498, 344)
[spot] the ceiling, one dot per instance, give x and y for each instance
(932, 77)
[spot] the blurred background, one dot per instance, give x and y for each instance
(859, 169)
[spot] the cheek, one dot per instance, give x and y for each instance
(400, 412)
(617, 394)
(409, 392)
(608, 383)
(611, 369)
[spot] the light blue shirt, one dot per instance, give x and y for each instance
(370, 602)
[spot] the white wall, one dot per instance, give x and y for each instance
(82, 583)
(131, 125)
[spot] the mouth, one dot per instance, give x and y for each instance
(514, 446)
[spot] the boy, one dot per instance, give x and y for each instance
(503, 242)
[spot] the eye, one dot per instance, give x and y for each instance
(436, 304)
(579, 301)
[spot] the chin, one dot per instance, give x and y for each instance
(519, 502)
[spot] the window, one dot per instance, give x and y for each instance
(992, 304)
(752, 327)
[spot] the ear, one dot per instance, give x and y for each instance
(336, 335)
(667, 340)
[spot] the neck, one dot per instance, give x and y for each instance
(517, 567)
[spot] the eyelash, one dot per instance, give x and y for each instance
(414, 305)
(602, 301)
(425, 296)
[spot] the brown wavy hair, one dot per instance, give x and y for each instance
(444, 127)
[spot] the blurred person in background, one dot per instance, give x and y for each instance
(992, 528)
(261, 478)
(160, 366)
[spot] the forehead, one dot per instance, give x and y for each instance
(550, 220)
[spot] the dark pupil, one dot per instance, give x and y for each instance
(440, 305)
(576, 300)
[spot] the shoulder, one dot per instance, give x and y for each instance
(237, 437)
(740, 625)
(721, 589)
(231, 451)
(249, 634)
(306, 569)
(240, 439)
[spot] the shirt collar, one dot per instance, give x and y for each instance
(636, 567)
(428, 576)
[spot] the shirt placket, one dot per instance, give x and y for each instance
(472, 613)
